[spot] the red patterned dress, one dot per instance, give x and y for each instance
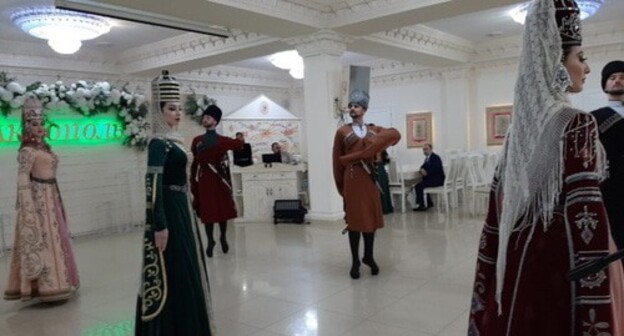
(537, 298)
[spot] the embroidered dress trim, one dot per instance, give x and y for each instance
(154, 169)
(583, 176)
(487, 260)
(183, 188)
(490, 229)
(593, 300)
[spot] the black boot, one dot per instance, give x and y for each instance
(369, 241)
(211, 242)
(354, 243)
(224, 244)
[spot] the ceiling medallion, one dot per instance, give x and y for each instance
(65, 30)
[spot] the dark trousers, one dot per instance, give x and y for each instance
(419, 189)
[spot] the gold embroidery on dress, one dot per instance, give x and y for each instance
(154, 290)
(154, 282)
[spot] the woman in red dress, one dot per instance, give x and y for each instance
(546, 213)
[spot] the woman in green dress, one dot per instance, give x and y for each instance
(174, 297)
(381, 160)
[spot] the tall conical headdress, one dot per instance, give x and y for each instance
(32, 110)
(165, 89)
(568, 16)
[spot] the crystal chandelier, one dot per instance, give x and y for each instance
(65, 30)
(289, 60)
(587, 7)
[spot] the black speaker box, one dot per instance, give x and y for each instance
(289, 211)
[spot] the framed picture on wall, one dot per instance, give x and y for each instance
(498, 119)
(419, 129)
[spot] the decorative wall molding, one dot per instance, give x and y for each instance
(345, 12)
(25, 74)
(509, 47)
(462, 72)
(321, 42)
(34, 47)
(142, 84)
(407, 77)
(509, 65)
(239, 76)
(232, 90)
(381, 68)
(37, 55)
(609, 35)
(186, 48)
(426, 40)
(305, 12)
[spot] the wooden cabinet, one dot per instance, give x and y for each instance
(256, 188)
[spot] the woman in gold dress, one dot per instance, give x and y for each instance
(43, 264)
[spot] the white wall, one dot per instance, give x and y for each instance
(459, 103)
(422, 96)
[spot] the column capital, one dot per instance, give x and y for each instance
(322, 42)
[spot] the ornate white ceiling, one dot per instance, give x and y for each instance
(389, 35)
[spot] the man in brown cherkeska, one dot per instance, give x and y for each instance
(355, 147)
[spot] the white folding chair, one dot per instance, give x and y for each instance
(397, 183)
(459, 182)
(476, 183)
(446, 190)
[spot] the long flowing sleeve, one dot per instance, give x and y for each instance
(586, 220)
(155, 213)
(223, 145)
(153, 293)
(28, 228)
(338, 167)
(193, 177)
(25, 160)
(384, 138)
(232, 144)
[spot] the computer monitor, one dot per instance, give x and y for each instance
(242, 157)
(270, 158)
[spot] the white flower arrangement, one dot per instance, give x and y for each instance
(85, 98)
(195, 105)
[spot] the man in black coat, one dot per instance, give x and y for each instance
(611, 127)
(433, 176)
(242, 157)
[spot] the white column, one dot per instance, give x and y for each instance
(454, 130)
(321, 54)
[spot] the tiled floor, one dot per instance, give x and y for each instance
(284, 280)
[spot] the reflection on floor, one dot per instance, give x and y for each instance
(286, 279)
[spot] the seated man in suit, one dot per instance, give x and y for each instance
(286, 157)
(433, 176)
